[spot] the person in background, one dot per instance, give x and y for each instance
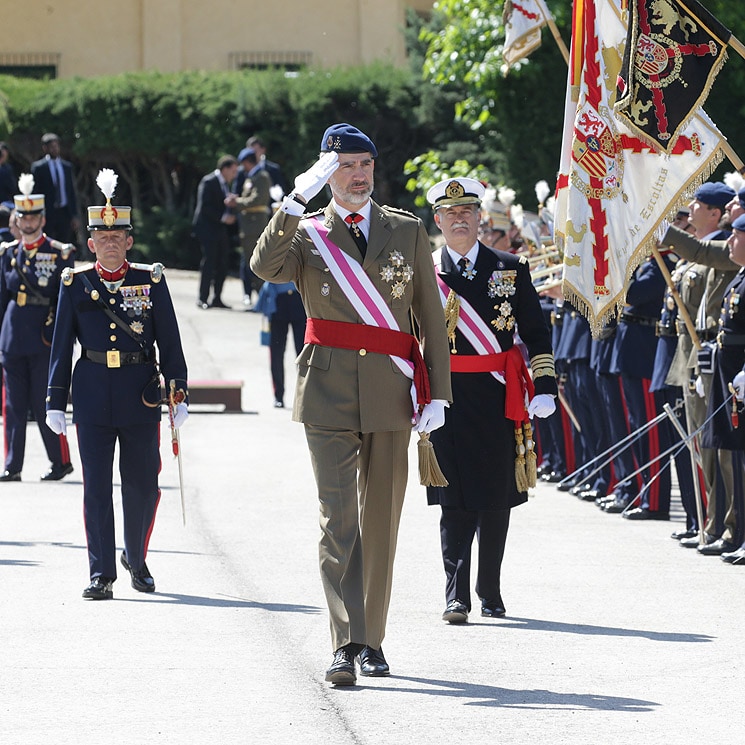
(283, 308)
(7, 177)
(120, 313)
(30, 271)
(54, 179)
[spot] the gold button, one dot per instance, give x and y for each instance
(28, 263)
(112, 301)
(23, 287)
(363, 352)
(112, 337)
(112, 325)
(281, 232)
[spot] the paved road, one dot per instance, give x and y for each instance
(614, 634)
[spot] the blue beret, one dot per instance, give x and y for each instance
(247, 152)
(739, 223)
(344, 138)
(714, 193)
(741, 197)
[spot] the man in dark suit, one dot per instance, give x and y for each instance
(275, 172)
(119, 312)
(53, 178)
(7, 177)
(212, 217)
(363, 272)
(485, 448)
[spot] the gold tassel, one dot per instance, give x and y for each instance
(452, 310)
(429, 469)
(531, 459)
(521, 477)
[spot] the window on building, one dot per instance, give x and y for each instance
(41, 65)
(288, 61)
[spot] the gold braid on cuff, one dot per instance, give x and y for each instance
(542, 365)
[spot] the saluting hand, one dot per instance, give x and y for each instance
(308, 184)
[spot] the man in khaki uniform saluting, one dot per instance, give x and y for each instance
(361, 270)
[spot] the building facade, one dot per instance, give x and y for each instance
(87, 38)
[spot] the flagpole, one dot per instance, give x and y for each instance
(560, 42)
(733, 157)
(682, 310)
(737, 45)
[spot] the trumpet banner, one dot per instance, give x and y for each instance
(674, 50)
(614, 188)
(523, 21)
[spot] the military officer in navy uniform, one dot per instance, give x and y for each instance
(485, 446)
(120, 313)
(30, 270)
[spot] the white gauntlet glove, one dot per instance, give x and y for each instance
(308, 184)
(56, 422)
(542, 405)
(180, 414)
(738, 383)
(432, 416)
(699, 386)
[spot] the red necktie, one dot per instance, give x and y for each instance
(352, 219)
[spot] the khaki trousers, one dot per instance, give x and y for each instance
(361, 481)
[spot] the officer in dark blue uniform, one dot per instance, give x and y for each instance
(30, 270)
(119, 312)
(633, 359)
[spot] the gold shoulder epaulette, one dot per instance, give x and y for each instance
(399, 211)
(5, 245)
(64, 248)
(156, 270)
(68, 273)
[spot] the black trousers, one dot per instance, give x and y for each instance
(457, 530)
(216, 248)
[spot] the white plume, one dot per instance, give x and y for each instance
(490, 197)
(26, 184)
(542, 191)
(734, 180)
(106, 181)
(506, 195)
(517, 216)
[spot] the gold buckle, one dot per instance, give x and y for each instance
(21, 299)
(112, 358)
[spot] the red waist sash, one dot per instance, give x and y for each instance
(360, 336)
(511, 366)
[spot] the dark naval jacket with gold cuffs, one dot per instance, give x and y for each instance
(29, 286)
(115, 382)
(476, 447)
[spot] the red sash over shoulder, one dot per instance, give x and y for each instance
(360, 336)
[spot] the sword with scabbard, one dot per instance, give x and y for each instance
(176, 443)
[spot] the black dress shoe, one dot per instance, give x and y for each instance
(591, 495)
(201, 304)
(616, 506)
(57, 472)
(552, 477)
(693, 541)
(100, 588)
(372, 663)
(734, 557)
(567, 485)
(493, 610)
(716, 548)
(342, 672)
(456, 612)
(8, 476)
(642, 513)
(217, 303)
(678, 535)
(279, 405)
(142, 580)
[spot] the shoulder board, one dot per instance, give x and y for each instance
(522, 260)
(156, 270)
(64, 248)
(68, 273)
(316, 213)
(5, 245)
(399, 211)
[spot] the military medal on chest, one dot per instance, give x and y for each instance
(398, 273)
(501, 283)
(734, 303)
(44, 268)
(135, 300)
(505, 321)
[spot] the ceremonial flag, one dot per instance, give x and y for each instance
(614, 188)
(523, 21)
(674, 50)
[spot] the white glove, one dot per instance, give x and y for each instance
(700, 387)
(542, 405)
(432, 416)
(738, 384)
(180, 414)
(308, 184)
(56, 422)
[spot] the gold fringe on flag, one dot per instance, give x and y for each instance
(429, 469)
